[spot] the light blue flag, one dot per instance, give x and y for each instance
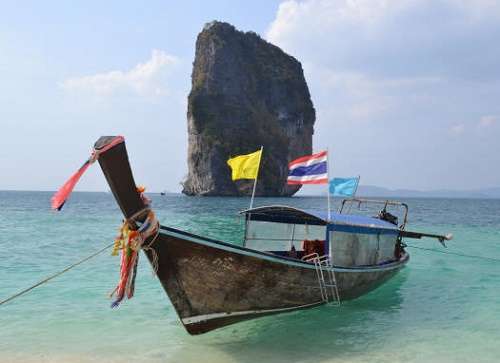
(343, 187)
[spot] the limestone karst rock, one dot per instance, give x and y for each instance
(245, 93)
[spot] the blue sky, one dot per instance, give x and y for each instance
(406, 92)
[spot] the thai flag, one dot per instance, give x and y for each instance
(312, 169)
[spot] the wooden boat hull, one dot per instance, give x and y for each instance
(212, 284)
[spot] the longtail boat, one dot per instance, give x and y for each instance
(291, 258)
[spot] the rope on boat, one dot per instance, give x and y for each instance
(47, 279)
(154, 254)
(456, 254)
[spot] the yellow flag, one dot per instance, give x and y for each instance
(245, 166)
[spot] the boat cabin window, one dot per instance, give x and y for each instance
(282, 238)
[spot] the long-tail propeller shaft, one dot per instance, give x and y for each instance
(419, 235)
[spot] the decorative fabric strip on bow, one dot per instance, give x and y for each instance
(62, 195)
(130, 242)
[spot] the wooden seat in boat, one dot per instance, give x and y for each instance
(313, 246)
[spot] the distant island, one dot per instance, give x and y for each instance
(375, 191)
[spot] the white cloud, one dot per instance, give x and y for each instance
(487, 121)
(379, 56)
(393, 38)
(321, 15)
(358, 96)
(147, 79)
(457, 129)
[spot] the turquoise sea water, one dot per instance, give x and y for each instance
(441, 308)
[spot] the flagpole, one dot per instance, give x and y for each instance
(357, 185)
(329, 241)
(256, 177)
(328, 179)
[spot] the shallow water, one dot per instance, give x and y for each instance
(440, 308)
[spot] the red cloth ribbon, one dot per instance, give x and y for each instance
(60, 197)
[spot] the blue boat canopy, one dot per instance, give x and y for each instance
(291, 215)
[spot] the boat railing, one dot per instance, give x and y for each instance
(360, 201)
(324, 267)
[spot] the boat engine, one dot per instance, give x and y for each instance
(388, 217)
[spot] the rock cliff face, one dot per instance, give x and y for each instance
(245, 93)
